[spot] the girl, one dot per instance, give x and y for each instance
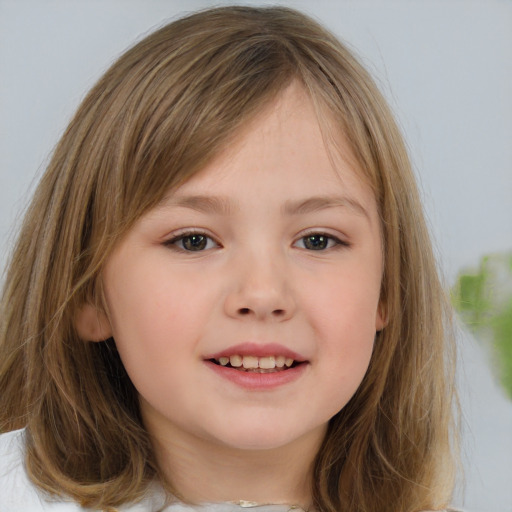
(224, 294)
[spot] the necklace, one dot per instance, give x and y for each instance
(270, 506)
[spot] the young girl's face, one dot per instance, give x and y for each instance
(271, 254)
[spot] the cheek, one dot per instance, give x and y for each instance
(147, 299)
(342, 314)
(156, 319)
(344, 302)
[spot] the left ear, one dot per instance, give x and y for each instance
(92, 324)
(381, 318)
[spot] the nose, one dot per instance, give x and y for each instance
(260, 289)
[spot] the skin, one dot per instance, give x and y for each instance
(257, 280)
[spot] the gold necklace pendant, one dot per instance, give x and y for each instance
(253, 504)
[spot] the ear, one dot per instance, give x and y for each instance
(381, 319)
(92, 324)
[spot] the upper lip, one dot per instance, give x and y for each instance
(258, 350)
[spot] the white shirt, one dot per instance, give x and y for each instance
(19, 494)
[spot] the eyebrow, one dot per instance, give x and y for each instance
(226, 206)
(314, 204)
(203, 204)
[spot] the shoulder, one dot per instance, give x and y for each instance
(17, 493)
(445, 510)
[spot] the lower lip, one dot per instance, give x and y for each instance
(258, 381)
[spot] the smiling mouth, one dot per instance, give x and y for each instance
(254, 364)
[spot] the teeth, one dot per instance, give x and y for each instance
(267, 362)
(250, 362)
(253, 362)
(235, 361)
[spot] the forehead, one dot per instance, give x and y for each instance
(285, 148)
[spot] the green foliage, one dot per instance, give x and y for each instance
(483, 298)
(470, 297)
(502, 327)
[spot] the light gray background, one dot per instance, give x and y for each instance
(446, 68)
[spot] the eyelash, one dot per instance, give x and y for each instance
(173, 242)
(334, 242)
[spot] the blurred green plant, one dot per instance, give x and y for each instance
(483, 298)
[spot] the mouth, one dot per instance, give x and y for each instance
(258, 367)
(255, 364)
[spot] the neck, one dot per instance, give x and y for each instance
(205, 472)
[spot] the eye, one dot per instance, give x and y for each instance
(318, 242)
(192, 242)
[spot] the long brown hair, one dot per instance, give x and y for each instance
(157, 116)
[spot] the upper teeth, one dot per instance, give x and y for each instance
(268, 362)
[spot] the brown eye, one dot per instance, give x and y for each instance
(318, 242)
(193, 242)
(315, 242)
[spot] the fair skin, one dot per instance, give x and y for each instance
(271, 253)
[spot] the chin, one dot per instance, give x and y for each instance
(270, 437)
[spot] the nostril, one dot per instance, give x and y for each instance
(276, 313)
